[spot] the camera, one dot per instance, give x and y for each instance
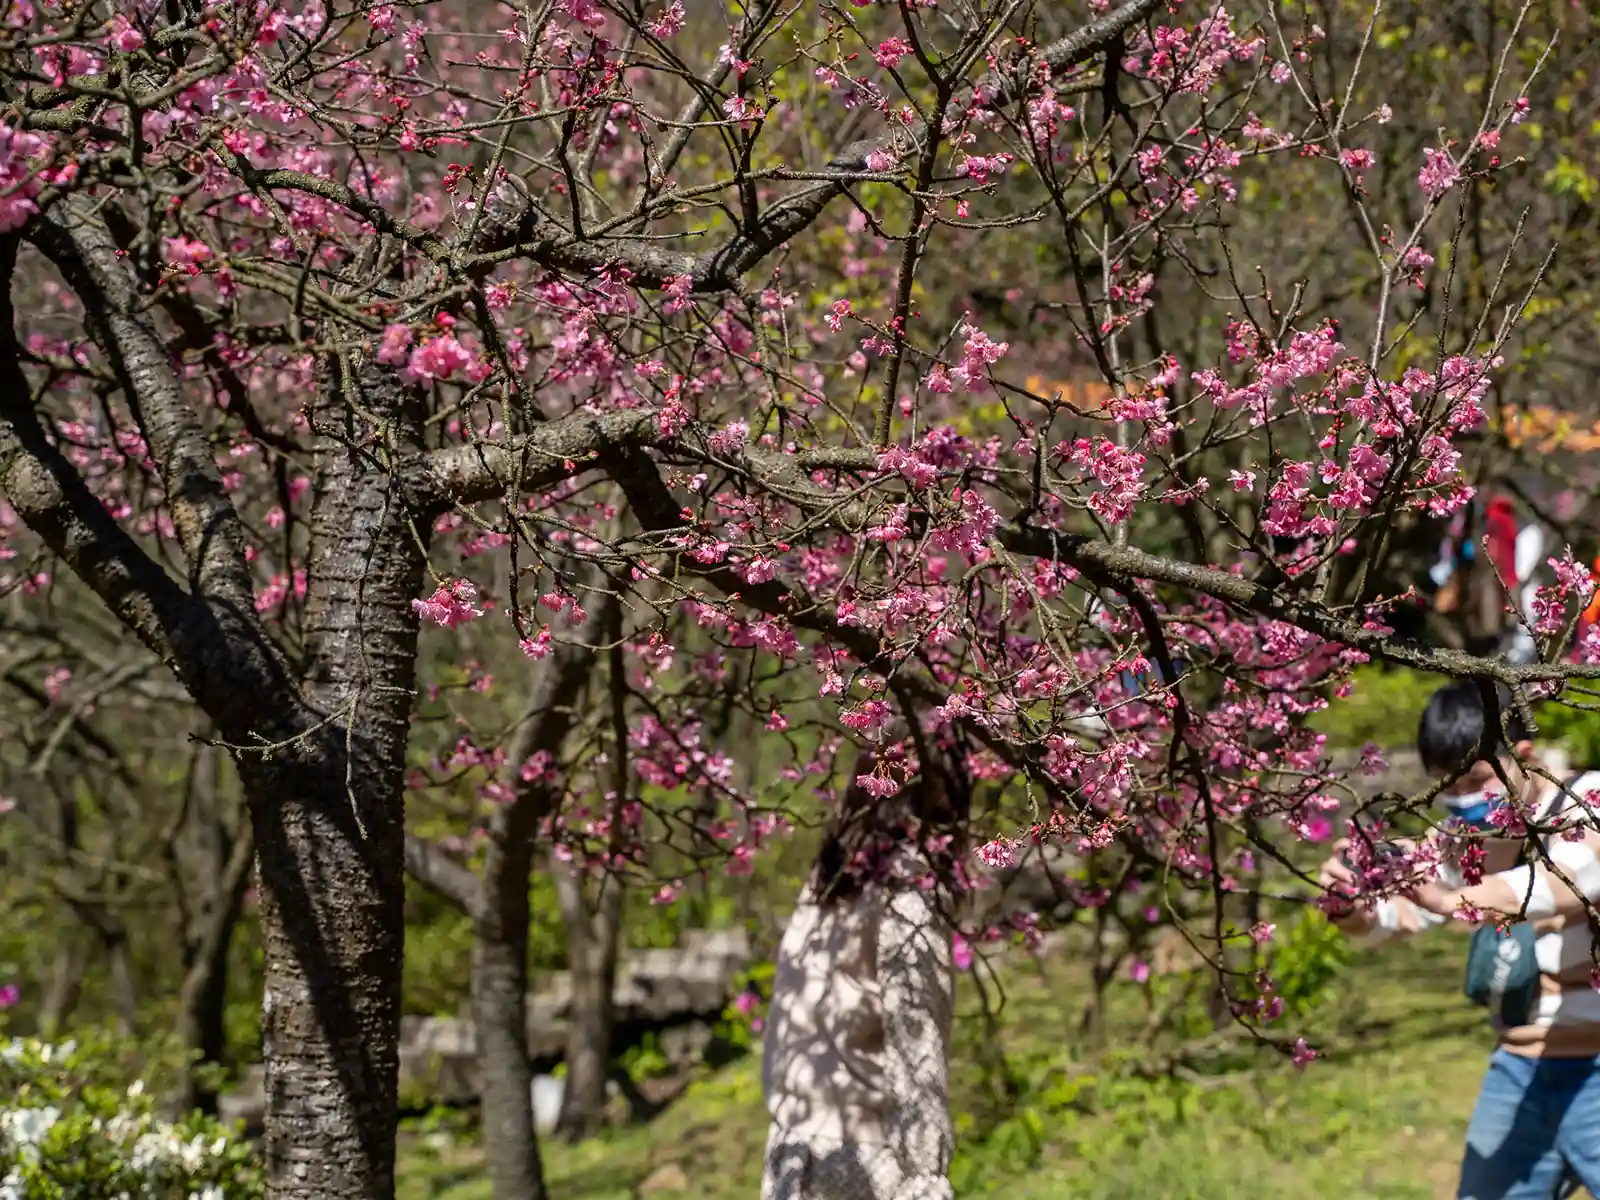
(1382, 852)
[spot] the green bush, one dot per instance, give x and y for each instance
(741, 1024)
(1387, 702)
(1576, 730)
(646, 1060)
(74, 1127)
(1306, 960)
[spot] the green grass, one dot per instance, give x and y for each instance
(1382, 1114)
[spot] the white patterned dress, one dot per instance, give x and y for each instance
(855, 1067)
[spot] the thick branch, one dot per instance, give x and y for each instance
(552, 452)
(618, 441)
(210, 639)
(77, 241)
(783, 474)
(52, 497)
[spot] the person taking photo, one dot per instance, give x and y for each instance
(1535, 1131)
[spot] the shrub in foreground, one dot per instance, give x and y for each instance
(71, 1128)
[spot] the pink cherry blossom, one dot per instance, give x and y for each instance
(1439, 174)
(438, 358)
(450, 605)
(891, 50)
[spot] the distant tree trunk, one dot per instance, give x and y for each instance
(66, 983)
(593, 936)
(500, 1023)
(119, 968)
(66, 977)
(1092, 1025)
(203, 996)
(702, 844)
(111, 939)
(592, 947)
(498, 904)
(500, 948)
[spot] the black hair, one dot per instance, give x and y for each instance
(1450, 734)
(867, 832)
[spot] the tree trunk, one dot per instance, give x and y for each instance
(321, 748)
(592, 944)
(505, 1075)
(66, 982)
(111, 937)
(331, 931)
(499, 906)
(327, 810)
(203, 996)
(124, 998)
(592, 937)
(500, 944)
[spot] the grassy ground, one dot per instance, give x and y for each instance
(1382, 1114)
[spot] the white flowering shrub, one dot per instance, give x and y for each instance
(69, 1128)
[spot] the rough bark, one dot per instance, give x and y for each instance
(321, 758)
(328, 814)
(331, 940)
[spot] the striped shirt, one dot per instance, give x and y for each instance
(1566, 1022)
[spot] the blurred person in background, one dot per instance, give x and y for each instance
(1535, 1132)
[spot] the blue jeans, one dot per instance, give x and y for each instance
(1535, 1134)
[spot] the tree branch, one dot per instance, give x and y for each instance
(211, 639)
(551, 452)
(208, 526)
(52, 497)
(435, 870)
(710, 271)
(1127, 563)
(502, 891)
(618, 441)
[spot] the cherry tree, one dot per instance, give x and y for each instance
(329, 321)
